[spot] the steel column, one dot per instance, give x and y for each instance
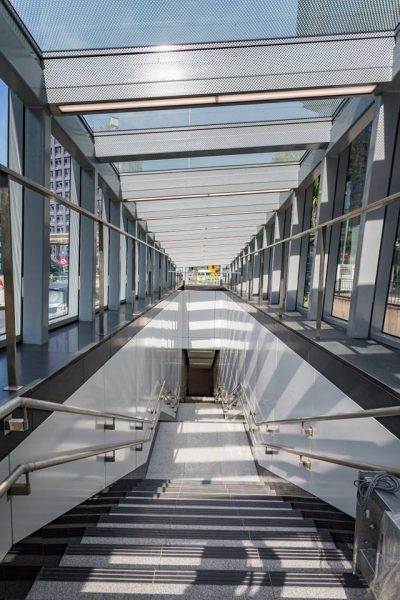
(134, 272)
(11, 340)
(261, 278)
(101, 278)
(321, 276)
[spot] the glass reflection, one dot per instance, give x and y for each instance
(355, 180)
(392, 313)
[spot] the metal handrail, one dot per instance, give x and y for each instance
(22, 402)
(390, 411)
(253, 428)
(26, 468)
(357, 212)
(43, 191)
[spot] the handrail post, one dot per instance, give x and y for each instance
(321, 276)
(101, 278)
(11, 340)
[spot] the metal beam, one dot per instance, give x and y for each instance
(181, 142)
(113, 75)
(201, 182)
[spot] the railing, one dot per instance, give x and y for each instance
(10, 485)
(6, 176)
(305, 455)
(13, 424)
(322, 229)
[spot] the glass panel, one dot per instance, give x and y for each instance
(4, 161)
(392, 313)
(60, 180)
(349, 230)
(214, 115)
(57, 24)
(101, 212)
(311, 246)
(210, 161)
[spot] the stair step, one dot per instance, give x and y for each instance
(189, 534)
(197, 522)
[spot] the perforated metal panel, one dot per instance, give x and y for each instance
(231, 180)
(273, 66)
(61, 24)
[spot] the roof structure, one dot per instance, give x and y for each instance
(207, 110)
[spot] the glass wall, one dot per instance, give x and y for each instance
(4, 161)
(391, 323)
(311, 242)
(60, 181)
(349, 230)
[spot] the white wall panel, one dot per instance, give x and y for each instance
(281, 384)
(129, 382)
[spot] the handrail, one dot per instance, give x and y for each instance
(43, 191)
(390, 411)
(26, 468)
(331, 458)
(22, 402)
(357, 212)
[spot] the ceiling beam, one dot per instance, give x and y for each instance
(212, 140)
(152, 73)
(259, 179)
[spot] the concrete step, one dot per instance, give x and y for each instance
(163, 582)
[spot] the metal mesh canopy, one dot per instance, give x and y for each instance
(85, 24)
(205, 107)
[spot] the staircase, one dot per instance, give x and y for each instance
(209, 533)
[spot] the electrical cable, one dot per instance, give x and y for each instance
(381, 481)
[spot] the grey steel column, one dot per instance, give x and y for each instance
(11, 340)
(101, 278)
(115, 258)
(321, 276)
(277, 253)
(378, 180)
(133, 266)
(261, 277)
(142, 270)
(250, 269)
(282, 290)
(159, 256)
(36, 229)
(16, 162)
(87, 272)
(332, 183)
(294, 251)
(241, 275)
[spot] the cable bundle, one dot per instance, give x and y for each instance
(381, 481)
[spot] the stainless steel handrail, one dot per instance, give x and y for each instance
(22, 402)
(26, 468)
(43, 191)
(357, 212)
(253, 428)
(390, 411)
